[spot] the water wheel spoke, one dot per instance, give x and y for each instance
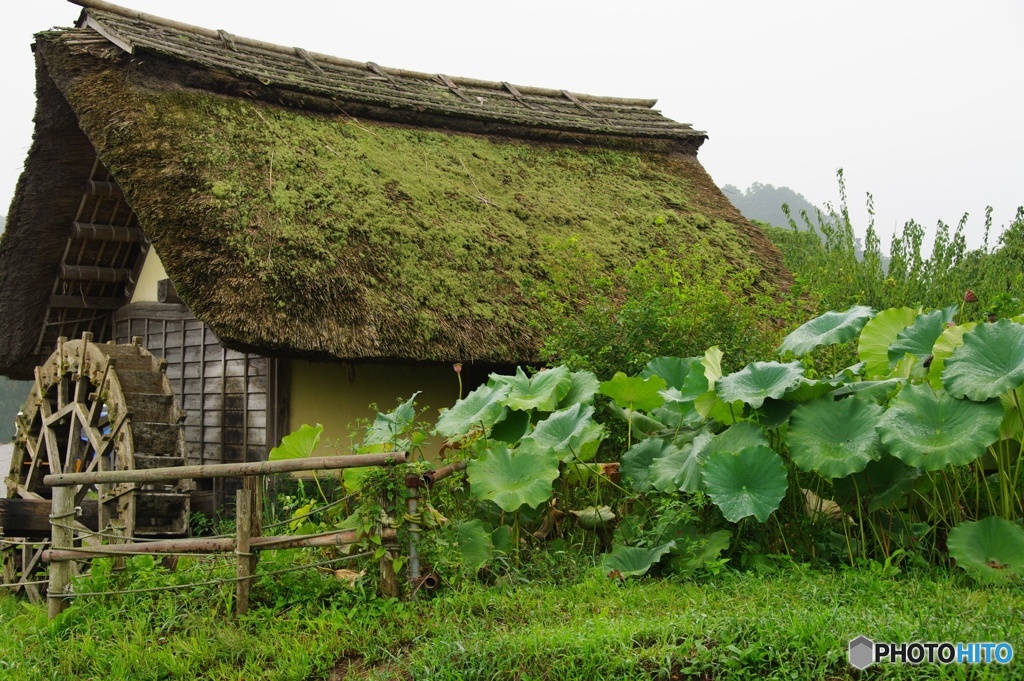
(94, 407)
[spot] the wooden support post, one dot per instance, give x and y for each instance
(243, 521)
(62, 518)
(253, 485)
(388, 579)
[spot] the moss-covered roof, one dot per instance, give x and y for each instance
(291, 225)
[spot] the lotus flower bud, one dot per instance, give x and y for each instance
(970, 296)
(457, 367)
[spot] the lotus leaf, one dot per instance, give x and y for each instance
(629, 561)
(930, 430)
(990, 362)
(773, 413)
(879, 392)
(991, 549)
(635, 394)
(919, 338)
(298, 444)
(880, 484)
(593, 517)
(512, 479)
(952, 338)
(683, 374)
(475, 545)
(384, 433)
(809, 389)
(636, 462)
(677, 411)
(582, 388)
(828, 329)
(482, 408)
(571, 432)
(833, 438)
(512, 428)
(752, 482)
(711, 406)
(758, 381)
(712, 364)
(878, 334)
(641, 423)
(542, 391)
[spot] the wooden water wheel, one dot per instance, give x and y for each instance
(94, 407)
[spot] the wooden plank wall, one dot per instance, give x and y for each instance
(229, 397)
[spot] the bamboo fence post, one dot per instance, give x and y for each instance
(388, 579)
(243, 521)
(254, 485)
(62, 536)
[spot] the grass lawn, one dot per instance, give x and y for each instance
(793, 623)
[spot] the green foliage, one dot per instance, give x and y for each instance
(832, 268)
(672, 303)
(991, 549)
(750, 482)
(514, 478)
(298, 444)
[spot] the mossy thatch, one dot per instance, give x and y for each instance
(296, 231)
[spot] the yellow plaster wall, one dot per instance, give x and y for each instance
(152, 272)
(336, 395)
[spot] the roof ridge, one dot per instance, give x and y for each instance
(104, 6)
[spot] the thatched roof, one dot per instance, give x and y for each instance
(311, 206)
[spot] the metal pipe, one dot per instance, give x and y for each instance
(226, 470)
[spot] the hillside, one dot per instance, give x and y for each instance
(763, 203)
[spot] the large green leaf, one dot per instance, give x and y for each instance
(712, 363)
(482, 408)
(878, 334)
(636, 394)
(735, 438)
(759, 380)
(512, 479)
(833, 438)
(298, 444)
(879, 392)
(570, 432)
(952, 338)
(683, 374)
(583, 386)
(542, 391)
(879, 485)
(752, 482)
(990, 362)
(633, 561)
(711, 406)
(635, 464)
(654, 463)
(919, 338)
(991, 549)
(386, 431)
(677, 411)
(930, 430)
(475, 546)
(828, 329)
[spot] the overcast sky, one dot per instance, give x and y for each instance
(920, 102)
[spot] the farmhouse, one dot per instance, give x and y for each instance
(299, 235)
